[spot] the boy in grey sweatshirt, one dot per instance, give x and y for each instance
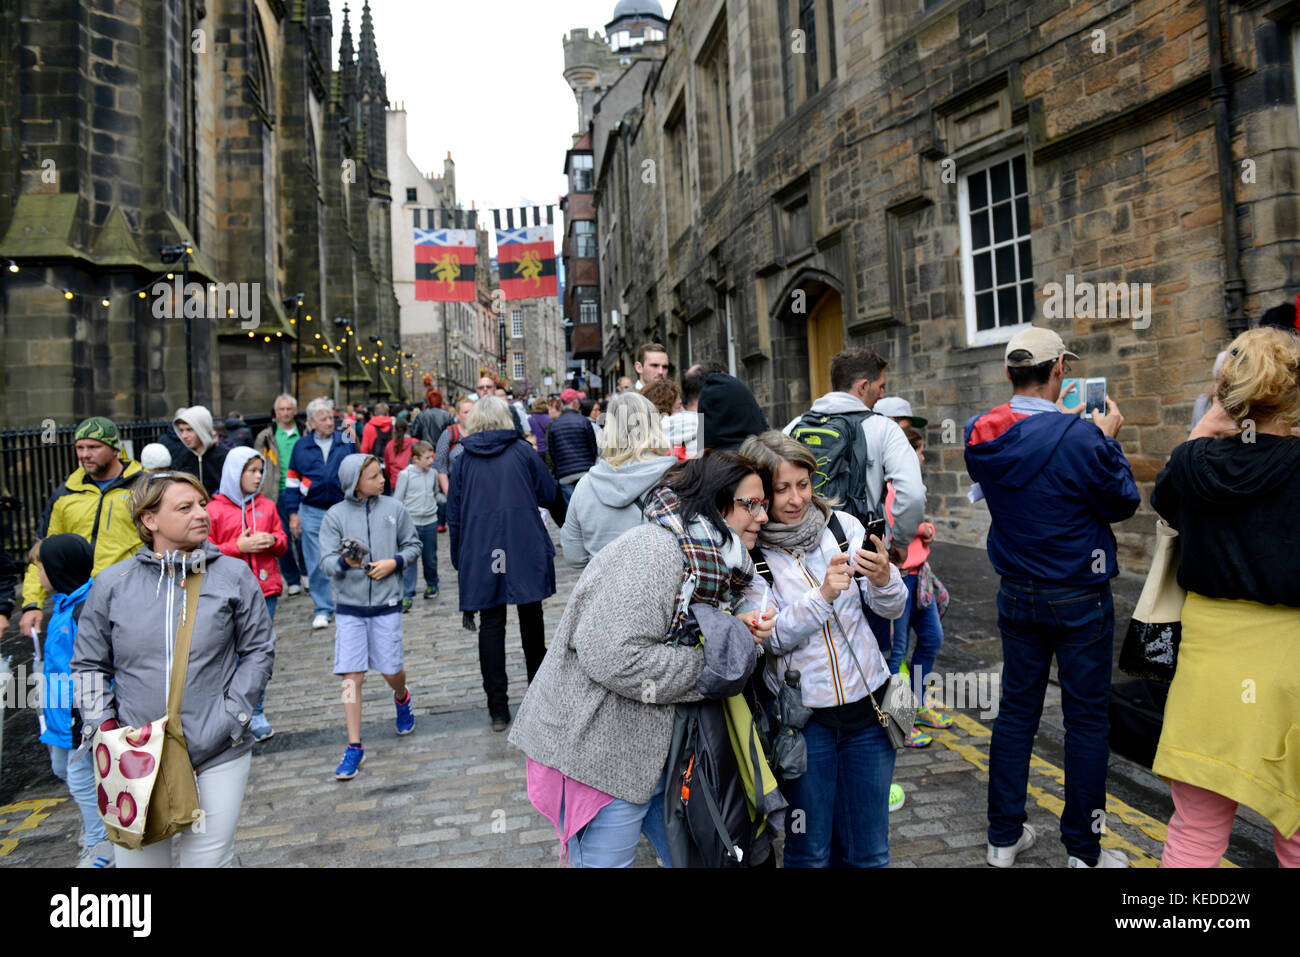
(367, 593)
(417, 489)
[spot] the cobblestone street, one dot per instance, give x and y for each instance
(453, 792)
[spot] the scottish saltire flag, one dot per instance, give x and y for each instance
(526, 262)
(444, 265)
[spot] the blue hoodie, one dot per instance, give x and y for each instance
(1054, 483)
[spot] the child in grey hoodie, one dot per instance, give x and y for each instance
(367, 593)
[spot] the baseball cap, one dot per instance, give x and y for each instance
(896, 407)
(1043, 345)
(568, 395)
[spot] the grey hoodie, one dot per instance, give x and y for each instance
(893, 460)
(128, 627)
(384, 526)
(604, 505)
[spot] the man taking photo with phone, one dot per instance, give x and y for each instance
(1053, 483)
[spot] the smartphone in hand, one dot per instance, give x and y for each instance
(1095, 401)
(878, 527)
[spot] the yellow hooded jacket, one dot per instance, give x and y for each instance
(102, 518)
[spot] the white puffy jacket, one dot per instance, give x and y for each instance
(808, 638)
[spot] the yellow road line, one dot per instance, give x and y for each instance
(977, 756)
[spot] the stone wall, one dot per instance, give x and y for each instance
(857, 193)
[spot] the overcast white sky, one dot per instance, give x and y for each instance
(485, 80)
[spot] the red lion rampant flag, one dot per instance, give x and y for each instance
(444, 265)
(526, 258)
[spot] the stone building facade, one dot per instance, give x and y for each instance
(217, 126)
(593, 67)
(534, 337)
(448, 339)
(797, 177)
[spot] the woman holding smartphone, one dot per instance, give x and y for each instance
(822, 632)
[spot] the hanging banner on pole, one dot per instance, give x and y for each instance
(444, 265)
(526, 261)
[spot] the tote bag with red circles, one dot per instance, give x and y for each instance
(144, 782)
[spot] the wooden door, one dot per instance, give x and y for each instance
(825, 339)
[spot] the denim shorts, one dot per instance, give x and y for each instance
(361, 644)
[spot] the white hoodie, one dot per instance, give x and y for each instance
(894, 461)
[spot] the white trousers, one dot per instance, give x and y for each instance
(221, 793)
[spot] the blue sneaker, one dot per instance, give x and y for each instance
(353, 758)
(405, 716)
(261, 728)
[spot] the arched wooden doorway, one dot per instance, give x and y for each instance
(825, 339)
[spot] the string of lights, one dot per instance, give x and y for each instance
(142, 292)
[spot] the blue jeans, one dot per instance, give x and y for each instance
(429, 554)
(611, 837)
(567, 491)
(929, 638)
(843, 797)
(1078, 626)
(291, 561)
(318, 583)
(80, 778)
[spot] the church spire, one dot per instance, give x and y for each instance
(347, 62)
(368, 60)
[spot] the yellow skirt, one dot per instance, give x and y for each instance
(1232, 722)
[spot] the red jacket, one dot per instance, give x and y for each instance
(375, 425)
(259, 515)
(395, 461)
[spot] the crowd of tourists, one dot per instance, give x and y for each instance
(737, 656)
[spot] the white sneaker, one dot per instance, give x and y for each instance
(294, 590)
(320, 621)
(101, 855)
(1006, 856)
(1109, 857)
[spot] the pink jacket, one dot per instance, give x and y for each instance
(259, 515)
(918, 553)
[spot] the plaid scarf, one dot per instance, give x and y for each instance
(705, 574)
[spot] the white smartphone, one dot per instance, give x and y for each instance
(1095, 401)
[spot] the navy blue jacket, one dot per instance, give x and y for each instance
(498, 543)
(571, 443)
(1053, 483)
(312, 480)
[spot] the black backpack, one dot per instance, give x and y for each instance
(837, 441)
(381, 442)
(706, 815)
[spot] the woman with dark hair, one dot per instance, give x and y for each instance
(597, 722)
(397, 453)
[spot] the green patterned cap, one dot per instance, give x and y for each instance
(101, 430)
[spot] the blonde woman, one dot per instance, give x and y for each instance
(499, 545)
(608, 500)
(121, 660)
(1232, 721)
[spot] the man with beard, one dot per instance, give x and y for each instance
(95, 503)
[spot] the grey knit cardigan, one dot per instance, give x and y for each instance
(600, 709)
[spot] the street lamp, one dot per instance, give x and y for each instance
(411, 365)
(342, 324)
(295, 303)
(181, 253)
